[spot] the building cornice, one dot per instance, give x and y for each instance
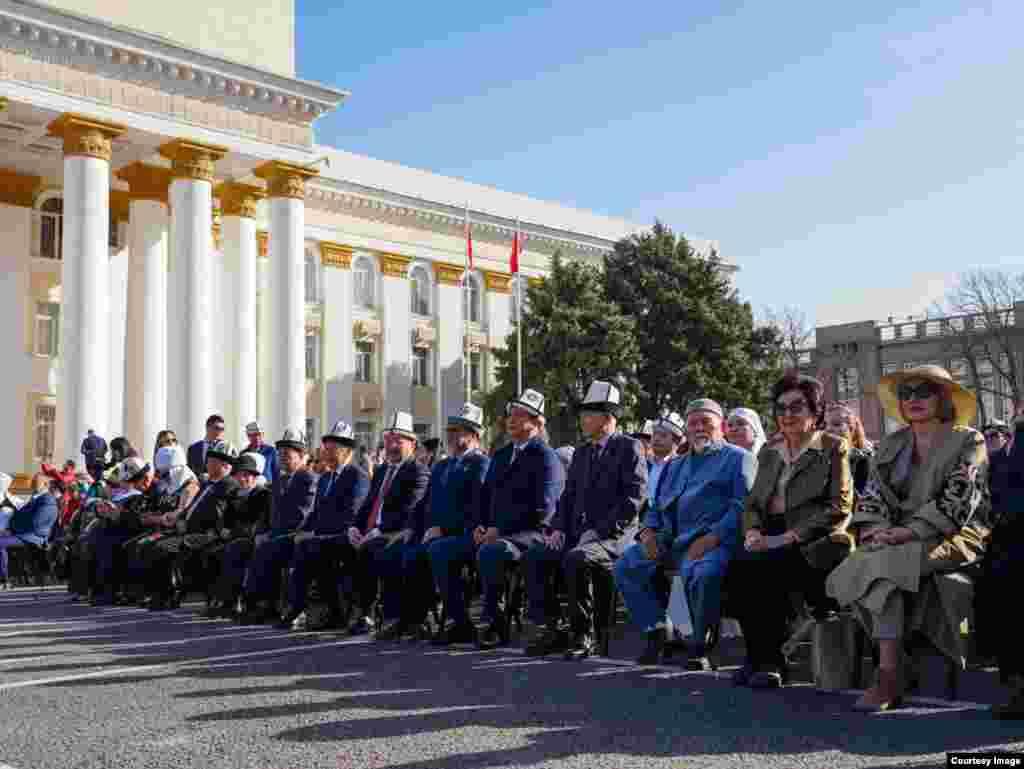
(91, 45)
(448, 274)
(498, 282)
(335, 255)
(394, 265)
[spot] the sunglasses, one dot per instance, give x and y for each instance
(794, 409)
(921, 392)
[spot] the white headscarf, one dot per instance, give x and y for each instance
(172, 468)
(755, 422)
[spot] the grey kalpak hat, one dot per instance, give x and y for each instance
(646, 431)
(225, 452)
(250, 462)
(671, 422)
(292, 439)
(471, 418)
(705, 404)
(602, 397)
(342, 433)
(531, 400)
(401, 424)
(253, 428)
(131, 469)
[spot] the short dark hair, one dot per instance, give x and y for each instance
(812, 389)
(214, 419)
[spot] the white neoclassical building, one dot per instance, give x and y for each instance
(176, 243)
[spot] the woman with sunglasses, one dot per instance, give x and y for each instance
(794, 525)
(915, 520)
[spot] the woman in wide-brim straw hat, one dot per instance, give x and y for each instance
(917, 518)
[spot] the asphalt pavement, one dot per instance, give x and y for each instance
(84, 688)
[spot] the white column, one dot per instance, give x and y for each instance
(451, 390)
(83, 396)
(396, 300)
(191, 339)
(287, 307)
(338, 353)
(238, 235)
(499, 318)
(264, 336)
(145, 390)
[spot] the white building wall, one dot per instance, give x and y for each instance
(451, 389)
(336, 338)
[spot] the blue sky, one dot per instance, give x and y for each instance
(851, 158)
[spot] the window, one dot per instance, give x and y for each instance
(420, 367)
(364, 435)
(47, 329)
(847, 384)
(471, 301)
(362, 282)
(312, 278)
(51, 228)
(475, 372)
(364, 361)
(312, 434)
(312, 354)
(419, 285)
(43, 434)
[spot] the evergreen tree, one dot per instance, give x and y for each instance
(694, 335)
(572, 335)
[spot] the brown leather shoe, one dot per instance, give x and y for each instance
(884, 695)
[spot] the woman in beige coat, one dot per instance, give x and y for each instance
(915, 519)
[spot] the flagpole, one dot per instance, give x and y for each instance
(519, 313)
(466, 312)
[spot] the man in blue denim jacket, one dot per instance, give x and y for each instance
(694, 526)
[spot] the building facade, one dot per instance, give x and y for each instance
(176, 243)
(851, 358)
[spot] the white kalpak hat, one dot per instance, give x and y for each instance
(531, 400)
(672, 423)
(401, 424)
(471, 417)
(292, 439)
(253, 428)
(342, 433)
(646, 431)
(603, 397)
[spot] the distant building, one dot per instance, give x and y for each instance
(851, 358)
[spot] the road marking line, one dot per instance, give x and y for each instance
(176, 663)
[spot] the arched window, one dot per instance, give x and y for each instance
(472, 300)
(419, 290)
(312, 277)
(363, 281)
(51, 227)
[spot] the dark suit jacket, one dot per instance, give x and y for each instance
(609, 494)
(403, 502)
(33, 520)
(207, 511)
(196, 458)
(248, 512)
(522, 497)
(338, 501)
(293, 501)
(456, 494)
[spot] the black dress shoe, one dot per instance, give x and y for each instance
(361, 626)
(547, 641)
(701, 663)
(456, 634)
(582, 646)
(494, 635)
(655, 647)
(391, 630)
(285, 623)
(424, 631)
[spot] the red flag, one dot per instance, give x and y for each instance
(514, 264)
(469, 245)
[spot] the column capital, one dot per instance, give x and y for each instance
(394, 265)
(192, 160)
(335, 255)
(498, 282)
(535, 282)
(448, 274)
(18, 189)
(285, 180)
(84, 136)
(262, 243)
(146, 182)
(238, 199)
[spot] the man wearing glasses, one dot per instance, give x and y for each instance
(197, 451)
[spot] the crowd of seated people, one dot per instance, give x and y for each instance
(806, 522)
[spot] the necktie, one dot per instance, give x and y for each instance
(379, 502)
(515, 455)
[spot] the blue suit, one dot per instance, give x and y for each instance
(338, 496)
(700, 494)
(455, 507)
(29, 525)
(521, 498)
(294, 497)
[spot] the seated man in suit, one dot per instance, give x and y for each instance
(294, 492)
(322, 540)
(523, 485)
(198, 526)
(453, 518)
(197, 451)
(694, 527)
(595, 520)
(388, 525)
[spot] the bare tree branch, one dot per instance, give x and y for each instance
(796, 332)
